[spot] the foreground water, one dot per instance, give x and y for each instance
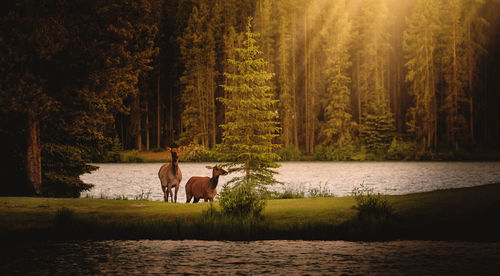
(275, 257)
(141, 180)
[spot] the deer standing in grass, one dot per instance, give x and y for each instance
(203, 187)
(170, 175)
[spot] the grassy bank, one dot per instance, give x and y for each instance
(458, 214)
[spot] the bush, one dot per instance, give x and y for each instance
(197, 153)
(401, 150)
(290, 153)
(131, 156)
(333, 153)
(61, 170)
(370, 205)
(242, 200)
(321, 191)
(286, 194)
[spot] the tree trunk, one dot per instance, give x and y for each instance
(306, 82)
(34, 154)
(137, 115)
(158, 113)
(171, 116)
(147, 125)
(294, 88)
(358, 90)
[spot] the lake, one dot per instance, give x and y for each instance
(339, 178)
(258, 257)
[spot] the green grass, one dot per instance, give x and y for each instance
(458, 214)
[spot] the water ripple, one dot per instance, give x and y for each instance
(259, 257)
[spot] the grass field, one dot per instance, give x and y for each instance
(458, 214)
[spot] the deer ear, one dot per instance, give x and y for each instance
(179, 149)
(169, 149)
(208, 167)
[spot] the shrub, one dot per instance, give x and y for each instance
(131, 156)
(290, 153)
(321, 191)
(61, 170)
(333, 153)
(370, 205)
(197, 153)
(401, 150)
(241, 200)
(286, 194)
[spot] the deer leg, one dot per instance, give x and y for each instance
(164, 195)
(176, 189)
(171, 194)
(196, 199)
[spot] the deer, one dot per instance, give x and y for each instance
(170, 175)
(204, 187)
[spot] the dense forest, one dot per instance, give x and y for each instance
(350, 80)
(347, 74)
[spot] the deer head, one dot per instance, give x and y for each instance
(175, 153)
(216, 171)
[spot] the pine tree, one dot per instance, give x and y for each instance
(338, 125)
(419, 44)
(250, 116)
(69, 68)
(198, 79)
(287, 109)
(452, 62)
(377, 120)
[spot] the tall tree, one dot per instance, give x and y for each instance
(250, 126)
(376, 117)
(338, 127)
(420, 43)
(198, 52)
(71, 64)
(286, 96)
(31, 34)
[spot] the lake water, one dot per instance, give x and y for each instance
(339, 178)
(259, 257)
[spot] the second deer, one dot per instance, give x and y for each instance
(204, 187)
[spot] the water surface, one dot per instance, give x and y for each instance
(259, 257)
(133, 180)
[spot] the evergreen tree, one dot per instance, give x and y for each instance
(250, 116)
(198, 79)
(284, 87)
(452, 62)
(85, 59)
(419, 44)
(377, 121)
(338, 125)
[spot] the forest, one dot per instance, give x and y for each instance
(350, 80)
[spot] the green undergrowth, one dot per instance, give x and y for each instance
(457, 214)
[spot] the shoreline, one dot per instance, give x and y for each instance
(462, 214)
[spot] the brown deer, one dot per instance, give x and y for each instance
(203, 187)
(170, 175)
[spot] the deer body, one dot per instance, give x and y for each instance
(170, 176)
(203, 187)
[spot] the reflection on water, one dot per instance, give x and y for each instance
(131, 180)
(277, 257)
